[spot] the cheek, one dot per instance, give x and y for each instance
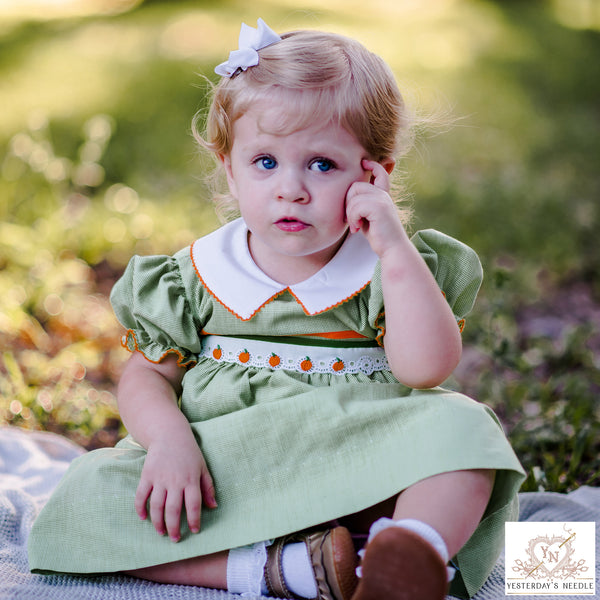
(248, 207)
(337, 211)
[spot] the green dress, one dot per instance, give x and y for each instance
(292, 403)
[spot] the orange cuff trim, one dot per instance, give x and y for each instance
(381, 334)
(181, 361)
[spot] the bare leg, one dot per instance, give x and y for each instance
(452, 503)
(398, 564)
(206, 571)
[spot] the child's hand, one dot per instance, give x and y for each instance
(174, 476)
(370, 209)
(422, 341)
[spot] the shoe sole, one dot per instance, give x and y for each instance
(400, 565)
(344, 563)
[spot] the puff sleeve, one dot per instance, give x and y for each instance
(150, 301)
(455, 266)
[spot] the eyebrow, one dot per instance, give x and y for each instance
(256, 147)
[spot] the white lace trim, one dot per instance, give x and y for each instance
(245, 568)
(291, 357)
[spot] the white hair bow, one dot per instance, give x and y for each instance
(250, 41)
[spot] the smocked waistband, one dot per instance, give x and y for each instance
(294, 357)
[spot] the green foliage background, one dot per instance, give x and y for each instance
(98, 163)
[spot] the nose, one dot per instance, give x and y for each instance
(291, 187)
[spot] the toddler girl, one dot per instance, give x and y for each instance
(276, 411)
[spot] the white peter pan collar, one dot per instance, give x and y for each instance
(223, 262)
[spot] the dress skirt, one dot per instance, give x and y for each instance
(282, 465)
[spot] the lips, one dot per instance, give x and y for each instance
(291, 225)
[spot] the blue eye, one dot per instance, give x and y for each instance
(322, 165)
(265, 163)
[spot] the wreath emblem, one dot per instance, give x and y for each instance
(550, 557)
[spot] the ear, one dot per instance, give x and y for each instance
(226, 162)
(388, 164)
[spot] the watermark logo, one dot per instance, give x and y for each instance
(550, 558)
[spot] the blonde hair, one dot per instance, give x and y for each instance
(316, 76)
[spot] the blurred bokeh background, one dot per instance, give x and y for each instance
(97, 162)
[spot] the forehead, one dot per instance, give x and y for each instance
(269, 125)
(283, 110)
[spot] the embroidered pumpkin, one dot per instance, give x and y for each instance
(338, 365)
(244, 356)
(274, 360)
(306, 364)
(217, 353)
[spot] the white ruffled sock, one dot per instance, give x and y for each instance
(246, 566)
(427, 532)
(245, 570)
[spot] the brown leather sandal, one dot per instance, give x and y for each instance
(333, 561)
(400, 565)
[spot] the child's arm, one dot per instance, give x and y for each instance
(422, 339)
(175, 472)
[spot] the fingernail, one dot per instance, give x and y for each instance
(175, 538)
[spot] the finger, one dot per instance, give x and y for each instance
(157, 509)
(193, 506)
(380, 177)
(361, 225)
(208, 490)
(142, 493)
(353, 217)
(172, 514)
(357, 210)
(356, 224)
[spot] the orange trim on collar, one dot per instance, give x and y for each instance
(220, 301)
(287, 289)
(327, 308)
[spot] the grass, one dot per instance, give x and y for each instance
(97, 164)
